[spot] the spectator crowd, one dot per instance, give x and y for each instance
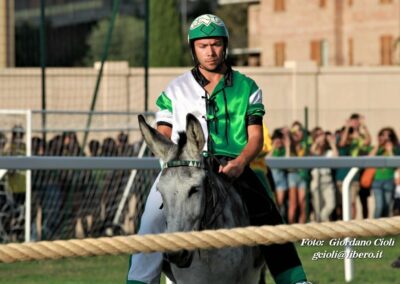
(318, 191)
(65, 203)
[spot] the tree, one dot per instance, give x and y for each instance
(127, 41)
(165, 41)
(235, 18)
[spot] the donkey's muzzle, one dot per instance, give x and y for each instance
(182, 259)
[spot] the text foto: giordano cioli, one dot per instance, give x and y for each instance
(354, 242)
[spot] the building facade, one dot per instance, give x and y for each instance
(329, 32)
(7, 32)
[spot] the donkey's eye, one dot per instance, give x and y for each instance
(193, 190)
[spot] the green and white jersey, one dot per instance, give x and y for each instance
(235, 103)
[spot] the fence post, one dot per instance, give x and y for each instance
(28, 179)
(346, 207)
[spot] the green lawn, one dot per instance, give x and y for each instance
(112, 269)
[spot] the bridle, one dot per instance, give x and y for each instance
(183, 163)
(193, 163)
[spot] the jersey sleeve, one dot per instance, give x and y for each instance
(255, 110)
(164, 113)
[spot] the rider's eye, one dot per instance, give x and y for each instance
(193, 190)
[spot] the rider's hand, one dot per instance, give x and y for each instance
(233, 168)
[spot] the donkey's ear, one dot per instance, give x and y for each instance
(157, 142)
(195, 135)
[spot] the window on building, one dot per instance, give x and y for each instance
(386, 1)
(279, 5)
(322, 3)
(280, 56)
(350, 52)
(315, 52)
(387, 50)
(254, 60)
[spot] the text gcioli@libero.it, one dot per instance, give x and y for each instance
(375, 245)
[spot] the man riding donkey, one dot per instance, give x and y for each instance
(229, 108)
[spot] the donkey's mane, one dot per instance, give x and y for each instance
(182, 141)
(219, 193)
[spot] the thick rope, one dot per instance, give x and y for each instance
(249, 236)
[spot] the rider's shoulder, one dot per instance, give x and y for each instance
(181, 80)
(241, 78)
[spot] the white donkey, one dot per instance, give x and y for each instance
(196, 198)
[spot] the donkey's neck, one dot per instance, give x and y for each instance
(224, 206)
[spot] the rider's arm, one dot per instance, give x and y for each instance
(235, 167)
(164, 115)
(165, 130)
(254, 145)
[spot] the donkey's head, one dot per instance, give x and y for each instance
(182, 180)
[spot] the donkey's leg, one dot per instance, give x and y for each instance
(146, 267)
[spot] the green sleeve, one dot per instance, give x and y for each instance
(164, 103)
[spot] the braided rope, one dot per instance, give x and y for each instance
(250, 236)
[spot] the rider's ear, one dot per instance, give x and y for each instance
(195, 135)
(161, 146)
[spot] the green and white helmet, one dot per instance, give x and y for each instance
(207, 25)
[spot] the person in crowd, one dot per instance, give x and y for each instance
(279, 175)
(94, 148)
(16, 179)
(297, 178)
(383, 185)
(354, 141)
(70, 145)
(363, 137)
(124, 149)
(396, 204)
(37, 180)
(3, 144)
(229, 107)
(360, 134)
(109, 147)
(17, 147)
(55, 146)
(396, 208)
(38, 146)
(322, 183)
(3, 194)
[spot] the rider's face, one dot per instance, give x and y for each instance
(209, 52)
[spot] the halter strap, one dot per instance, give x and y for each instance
(184, 163)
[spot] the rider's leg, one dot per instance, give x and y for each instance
(146, 267)
(282, 259)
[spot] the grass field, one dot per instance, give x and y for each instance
(112, 269)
